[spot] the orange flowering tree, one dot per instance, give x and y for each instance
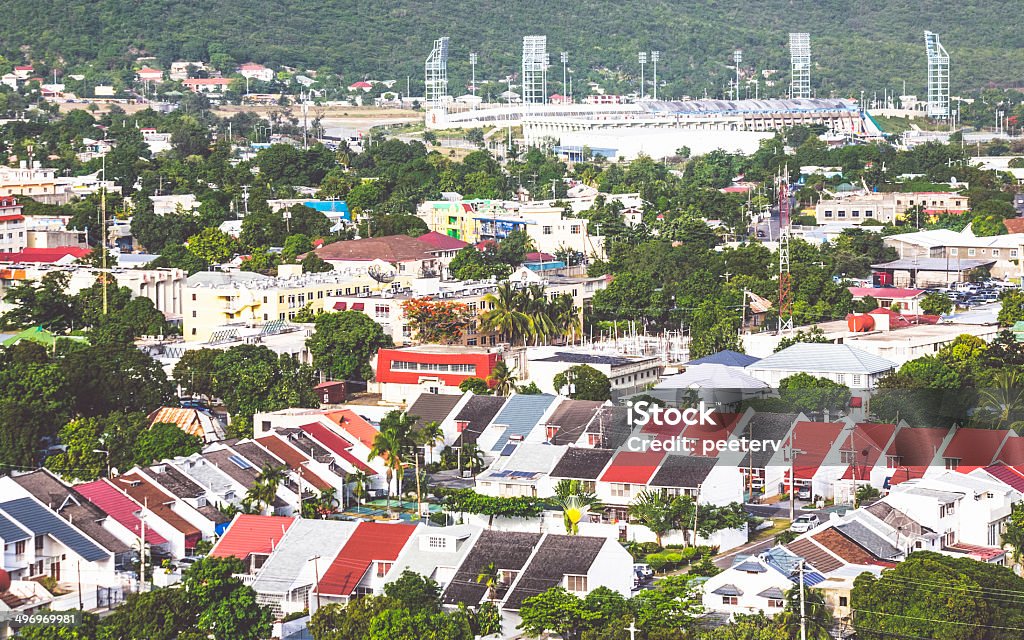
(437, 321)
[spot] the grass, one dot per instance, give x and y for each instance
(778, 526)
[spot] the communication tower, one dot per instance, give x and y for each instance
(535, 69)
(436, 74)
(800, 65)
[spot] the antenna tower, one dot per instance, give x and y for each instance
(800, 65)
(785, 279)
(535, 69)
(436, 74)
(938, 76)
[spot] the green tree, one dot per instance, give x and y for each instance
(936, 304)
(748, 627)
(505, 315)
(347, 622)
(343, 344)
(575, 502)
(814, 335)
(194, 372)
(806, 393)
(1013, 536)
(44, 302)
(115, 377)
(1012, 309)
(502, 379)
(211, 245)
(656, 511)
(490, 577)
(163, 441)
(558, 611)
(672, 608)
(476, 385)
(415, 592)
(584, 382)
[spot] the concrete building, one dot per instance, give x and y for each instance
(254, 71)
(840, 363)
(207, 85)
(403, 374)
(963, 248)
(172, 204)
(628, 374)
(37, 182)
(886, 208)
(13, 228)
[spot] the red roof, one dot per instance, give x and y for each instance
(149, 70)
(159, 503)
(249, 534)
(1014, 225)
(354, 424)
(867, 442)
(118, 506)
(24, 68)
(441, 241)
(1012, 452)
(336, 444)
(362, 84)
(916, 447)
(633, 467)
(815, 439)
(370, 542)
(36, 254)
(13, 217)
(539, 256)
(251, 66)
(884, 292)
(975, 447)
(978, 552)
(294, 459)
(720, 429)
(199, 81)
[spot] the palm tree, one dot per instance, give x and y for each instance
(263, 491)
(818, 618)
(490, 577)
(502, 379)
(388, 445)
(566, 317)
(656, 511)
(361, 480)
(505, 315)
(471, 453)
(575, 502)
(535, 303)
(430, 435)
(1003, 398)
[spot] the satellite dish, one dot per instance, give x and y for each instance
(379, 274)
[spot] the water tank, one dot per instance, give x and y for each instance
(859, 322)
(5, 581)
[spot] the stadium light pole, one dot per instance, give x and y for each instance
(472, 64)
(655, 56)
(642, 56)
(565, 60)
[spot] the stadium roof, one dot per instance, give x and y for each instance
(741, 107)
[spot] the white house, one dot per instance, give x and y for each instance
(858, 370)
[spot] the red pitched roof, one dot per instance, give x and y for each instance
(815, 439)
(14, 217)
(975, 447)
(633, 467)
(119, 507)
(916, 447)
(441, 241)
(249, 534)
(1012, 452)
(1014, 225)
(720, 429)
(1007, 475)
(371, 541)
(336, 444)
(362, 84)
(159, 503)
(354, 424)
(868, 441)
(294, 459)
(36, 254)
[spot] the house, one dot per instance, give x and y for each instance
(122, 509)
(626, 476)
(840, 363)
(402, 254)
(751, 585)
(509, 551)
(293, 569)
(253, 71)
(405, 373)
(761, 426)
(148, 74)
(436, 553)
(181, 69)
(337, 438)
(312, 473)
(569, 421)
(171, 204)
(627, 374)
(889, 207)
(445, 243)
(524, 471)
(470, 421)
(13, 228)
(207, 85)
(363, 563)
(55, 255)
(718, 385)
(908, 300)
(515, 422)
(862, 452)
(172, 517)
(582, 464)
(24, 71)
(912, 452)
(437, 408)
(251, 539)
(360, 85)
(194, 422)
(726, 357)
(34, 181)
(815, 462)
(961, 248)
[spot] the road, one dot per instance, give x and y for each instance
(727, 560)
(769, 227)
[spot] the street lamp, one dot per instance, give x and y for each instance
(655, 56)
(643, 60)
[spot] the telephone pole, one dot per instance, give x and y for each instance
(803, 614)
(103, 232)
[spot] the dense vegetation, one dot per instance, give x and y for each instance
(877, 44)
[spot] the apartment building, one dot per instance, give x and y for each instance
(13, 229)
(888, 207)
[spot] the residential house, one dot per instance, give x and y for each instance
(908, 300)
(34, 181)
(508, 551)
(761, 426)
(402, 374)
(195, 422)
(525, 470)
(181, 69)
(627, 374)
(811, 454)
(207, 85)
(364, 563)
(149, 74)
(436, 553)
(251, 539)
(840, 363)
(396, 255)
(13, 228)
(125, 511)
(515, 422)
(568, 424)
(961, 248)
(312, 472)
(254, 71)
(583, 464)
(719, 385)
(173, 518)
(751, 585)
(626, 476)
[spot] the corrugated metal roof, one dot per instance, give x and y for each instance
(868, 539)
(10, 532)
(354, 425)
(371, 541)
(726, 357)
(249, 534)
(119, 507)
(41, 521)
(728, 590)
(521, 414)
(336, 444)
(824, 358)
(633, 467)
(433, 407)
(290, 566)
(772, 593)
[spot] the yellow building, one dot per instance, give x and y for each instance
(457, 218)
(213, 299)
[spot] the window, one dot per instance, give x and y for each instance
(547, 231)
(856, 380)
(381, 311)
(577, 584)
(971, 252)
(508, 576)
(947, 509)
(828, 213)
(847, 457)
(193, 297)
(844, 601)
(193, 313)
(593, 439)
(1013, 253)
(773, 603)
(730, 600)
(949, 539)
(383, 568)
(19, 547)
(951, 463)
(953, 251)
(436, 542)
(841, 214)
(620, 490)
(574, 229)
(855, 213)
(995, 253)
(893, 461)
(868, 213)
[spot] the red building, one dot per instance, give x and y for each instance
(403, 374)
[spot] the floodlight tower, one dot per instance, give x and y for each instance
(436, 74)
(785, 279)
(472, 64)
(565, 60)
(938, 76)
(737, 58)
(800, 65)
(655, 56)
(535, 69)
(642, 56)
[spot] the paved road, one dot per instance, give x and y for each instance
(727, 560)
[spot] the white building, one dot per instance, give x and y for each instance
(13, 229)
(858, 370)
(628, 374)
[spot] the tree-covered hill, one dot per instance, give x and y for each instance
(858, 46)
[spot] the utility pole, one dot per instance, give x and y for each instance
(655, 56)
(803, 614)
(142, 545)
(316, 574)
(103, 232)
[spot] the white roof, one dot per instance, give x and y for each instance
(711, 376)
(823, 358)
(949, 238)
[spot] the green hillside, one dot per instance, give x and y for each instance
(857, 46)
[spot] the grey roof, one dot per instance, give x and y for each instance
(582, 464)
(571, 417)
(728, 590)
(521, 414)
(613, 425)
(766, 427)
(557, 556)
(72, 506)
(420, 558)
(591, 358)
(683, 471)
(478, 412)
(750, 566)
(938, 494)
(712, 376)
(725, 357)
(934, 264)
(220, 278)
(527, 462)
(896, 519)
(873, 543)
(256, 454)
(289, 566)
(772, 593)
(828, 358)
(10, 532)
(506, 549)
(763, 105)
(41, 521)
(174, 481)
(433, 407)
(224, 459)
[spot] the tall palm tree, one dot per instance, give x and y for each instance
(566, 317)
(388, 445)
(471, 453)
(263, 491)
(490, 577)
(361, 480)
(575, 502)
(1003, 398)
(506, 315)
(535, 303)
(502, 379)
(430, 435)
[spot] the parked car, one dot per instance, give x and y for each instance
(644, 571)
(805, 523)
(803, 493)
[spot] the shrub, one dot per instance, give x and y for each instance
(658, 561)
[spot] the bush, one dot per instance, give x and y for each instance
(688, 554)
(658, 561)
(295, 615)
(705, 568)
